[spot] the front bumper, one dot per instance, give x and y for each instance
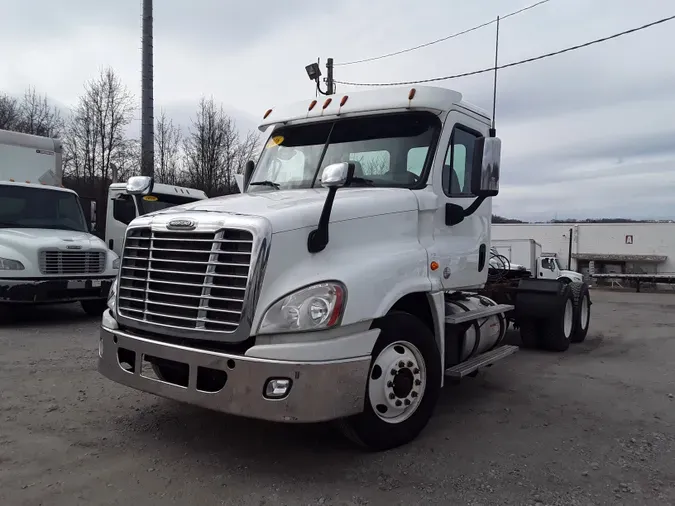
(320, 391)
(50, 291)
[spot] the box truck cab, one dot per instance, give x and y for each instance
(123, 207)
(47, 253)
(527, 254)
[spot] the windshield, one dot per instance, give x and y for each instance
(157, 202)
(388, 150)
(26, 207)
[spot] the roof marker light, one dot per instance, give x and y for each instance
(344, 100)
(411, 95)
(327, 102)
(269, 111)
(311, 105)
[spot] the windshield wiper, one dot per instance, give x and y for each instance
(362, 180)
(271, 184)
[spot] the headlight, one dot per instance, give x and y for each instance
(111, 296)
(315, 307)
(7, 264)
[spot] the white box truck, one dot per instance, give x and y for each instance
(527, 253)
(347, 281)
(47, 253)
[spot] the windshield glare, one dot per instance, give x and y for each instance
(388, 150)
(25, 207)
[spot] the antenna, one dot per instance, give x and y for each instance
(493, 129)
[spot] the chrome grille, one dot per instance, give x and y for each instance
(72, 262)
(187, 280)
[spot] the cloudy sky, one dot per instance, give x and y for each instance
(588, 133)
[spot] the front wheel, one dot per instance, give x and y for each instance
(94, 307)
(403, 385)
(582, 311)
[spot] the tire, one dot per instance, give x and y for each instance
(94, 307)
(529, 334)
(387, 423)
(556, 330)
(567, 281)
(582, 311)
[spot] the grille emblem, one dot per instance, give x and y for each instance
(182, 225)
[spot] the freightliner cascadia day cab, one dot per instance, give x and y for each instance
(347, 282)
(47, 253)
(122, 207)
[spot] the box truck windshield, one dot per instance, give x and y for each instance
(35, 207)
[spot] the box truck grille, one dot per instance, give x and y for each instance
(72, 262)
(186, 280)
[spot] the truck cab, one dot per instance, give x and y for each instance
(549, 267)
(347, 281)
(123, 208)
(47, 252)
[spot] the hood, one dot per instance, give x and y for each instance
(35, 238)
(572, 275)
(293, 209)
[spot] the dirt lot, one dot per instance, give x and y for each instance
(591, 426)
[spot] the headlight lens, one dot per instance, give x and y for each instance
(111, 296)
(7, 264)
(315, 307)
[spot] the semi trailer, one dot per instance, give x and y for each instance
(348, 281)
(47, 251)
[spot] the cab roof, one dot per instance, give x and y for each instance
(430, 98)
(167, 189)
(37, 185)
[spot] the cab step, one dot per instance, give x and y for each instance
(475, 314)
(465, 368)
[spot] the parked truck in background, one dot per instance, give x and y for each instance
(347, 282)
(123, 207)
(527, 253)
(47, 253)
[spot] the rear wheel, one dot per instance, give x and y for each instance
(556, 331)
(582, 311)
(403, 385)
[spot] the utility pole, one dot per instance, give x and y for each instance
(147, 115)
(330, 83)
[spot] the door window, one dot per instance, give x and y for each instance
(458, 162)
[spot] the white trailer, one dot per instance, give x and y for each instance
(47, 253)
(346, 282)
(527, 253)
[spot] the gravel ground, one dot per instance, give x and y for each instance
(590, 426)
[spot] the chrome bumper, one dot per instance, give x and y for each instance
(319, 391)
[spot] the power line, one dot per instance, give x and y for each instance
(426, 44)
(514, 64)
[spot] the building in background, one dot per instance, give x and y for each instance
(601, 247)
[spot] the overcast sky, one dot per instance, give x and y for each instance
(588, 133)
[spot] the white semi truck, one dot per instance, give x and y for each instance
(527, 253)
(347, 282)
(122, 207)
(47, 253)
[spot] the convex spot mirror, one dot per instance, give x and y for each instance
(139, 185)
(486, 164)
(337, 175)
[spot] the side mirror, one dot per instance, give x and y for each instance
(337, 175)
(140, 185)
(485, 170)
(248, 173)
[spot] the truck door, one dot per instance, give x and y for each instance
(121, 211)
(462, 250)
(547, 268)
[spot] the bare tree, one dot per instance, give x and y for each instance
(9, 112)
(167, 150)
(96, 134)
(38, 117)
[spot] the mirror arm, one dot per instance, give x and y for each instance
(318, 239)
